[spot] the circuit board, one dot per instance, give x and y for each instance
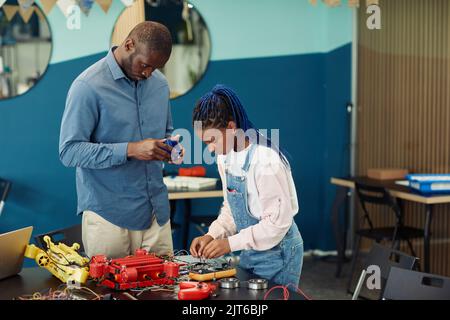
(209, 269)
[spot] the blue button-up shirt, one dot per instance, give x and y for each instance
(104, 111)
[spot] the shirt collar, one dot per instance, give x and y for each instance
(116, 71)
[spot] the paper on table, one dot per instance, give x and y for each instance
(402, 183)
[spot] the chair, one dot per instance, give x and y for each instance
(412, 285)
(5, 186)
(173, 209)
(201, 223)
(67, 236)
(384, 258)
(380, 196)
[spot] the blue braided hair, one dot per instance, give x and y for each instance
(222, 105)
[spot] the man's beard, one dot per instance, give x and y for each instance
(127, 67)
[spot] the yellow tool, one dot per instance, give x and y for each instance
(212, 275)
(62, 261)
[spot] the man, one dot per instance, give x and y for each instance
(116, 116)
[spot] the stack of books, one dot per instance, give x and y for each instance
(430, 183)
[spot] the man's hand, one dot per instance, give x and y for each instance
(149, 149)
(199, 243)
(216, 248)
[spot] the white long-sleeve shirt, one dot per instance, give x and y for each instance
(272, 199)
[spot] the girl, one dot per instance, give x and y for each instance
(260, 199)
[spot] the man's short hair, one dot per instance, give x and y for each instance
(154, 36)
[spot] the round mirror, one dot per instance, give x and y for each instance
(25, 48)
(191, 42)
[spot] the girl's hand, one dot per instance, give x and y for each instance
(216, 248)
(199, 243)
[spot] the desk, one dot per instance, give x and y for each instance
(187, 196)
(179, 195)
(397, 191)
(36, 279)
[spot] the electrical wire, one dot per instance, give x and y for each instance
(285, 292)
(155, 288)
(179, 252)
(63, 292)
(298, 290)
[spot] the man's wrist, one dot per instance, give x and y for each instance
(131, 149)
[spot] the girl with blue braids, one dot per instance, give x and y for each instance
(260, 199)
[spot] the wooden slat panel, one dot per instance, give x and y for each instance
(404, 104)
(129, 18)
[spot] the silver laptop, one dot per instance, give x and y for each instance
(12, 248)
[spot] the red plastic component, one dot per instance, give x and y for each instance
(171, 269)
(129, 275)
(193, 290)
(101, 258)
(141, 270)
(96, 270)
(140, 252)
(197, 171)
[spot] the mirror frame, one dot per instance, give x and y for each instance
(44, 72)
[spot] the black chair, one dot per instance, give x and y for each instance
(67, 236)
(173, 209)
(5, 186)
(412, 285)
(384, 258)
(368, 194)
(202, 223)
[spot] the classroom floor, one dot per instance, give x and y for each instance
(318, 280)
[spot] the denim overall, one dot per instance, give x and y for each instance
(281, 264)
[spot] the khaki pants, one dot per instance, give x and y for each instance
(103, 237)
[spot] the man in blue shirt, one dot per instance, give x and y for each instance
(116, 118)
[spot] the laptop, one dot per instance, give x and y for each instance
(12, 249)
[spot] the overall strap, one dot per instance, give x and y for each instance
(248, 158)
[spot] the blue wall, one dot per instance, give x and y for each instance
(295, 77)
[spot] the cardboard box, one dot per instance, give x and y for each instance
(387, 173)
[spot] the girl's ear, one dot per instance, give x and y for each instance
(231, 125)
